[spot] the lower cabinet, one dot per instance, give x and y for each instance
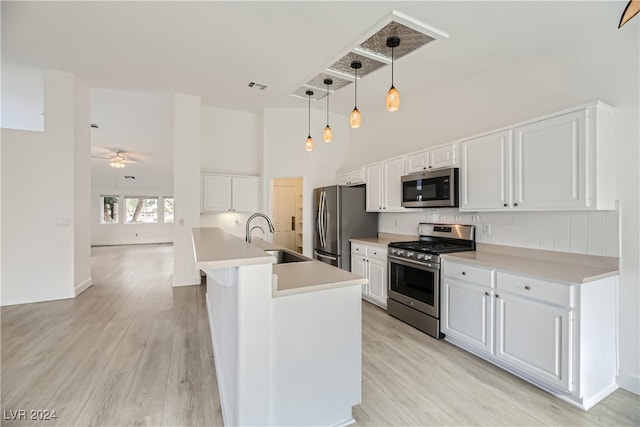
(558, 336)
(371, 262)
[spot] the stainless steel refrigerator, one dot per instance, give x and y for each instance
(340, 214)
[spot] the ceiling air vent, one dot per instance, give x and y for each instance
(371, 49)
(257, 85)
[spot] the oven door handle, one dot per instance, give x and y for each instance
(408, 262)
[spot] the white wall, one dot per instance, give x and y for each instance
(186, 185)
(230, 144)
(122, 233)
(604, 68)
(41, 203)
(22, 98)
(285, 132)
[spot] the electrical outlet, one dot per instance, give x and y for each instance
(486, 228)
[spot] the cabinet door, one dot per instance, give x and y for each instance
(467, 313)
(549, 163)
(377, 282)
(485, 172)
(417, 162)
(244, 193)
(443, 157)
(359, 267)
(393, 172)
(216, 193)
(535, 337)
(342, 178)
(374, 188)
(357, 176)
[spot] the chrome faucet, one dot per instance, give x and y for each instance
(248, 230)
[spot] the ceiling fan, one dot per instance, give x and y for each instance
(117, 160)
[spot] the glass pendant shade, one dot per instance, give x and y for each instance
(355, 119)
(393, 100)
(308, 146)
(327, 135)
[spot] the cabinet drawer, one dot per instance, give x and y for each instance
(377, 252)
(551, 292)
(358, 248)
(468, 273)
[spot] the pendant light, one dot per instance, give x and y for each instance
(393, 96)
(355, 118)
(327, 135)
(308, 146)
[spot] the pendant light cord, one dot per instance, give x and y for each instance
(355, 82)
(327, 104)
(309, 96)
(392, 67)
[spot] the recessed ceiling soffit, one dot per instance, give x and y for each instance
(371, 49)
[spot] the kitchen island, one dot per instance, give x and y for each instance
(286, 337)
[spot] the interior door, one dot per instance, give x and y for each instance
(284, 214)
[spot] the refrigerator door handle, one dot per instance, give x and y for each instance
(320, 218)
(319, 255)
(325, 215)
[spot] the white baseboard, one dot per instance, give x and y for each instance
(186, 280)
(83, 287)
(629, 382)
(28, 299)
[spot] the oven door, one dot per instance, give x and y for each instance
(415, 284)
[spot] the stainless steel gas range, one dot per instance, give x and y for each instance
(414, 273)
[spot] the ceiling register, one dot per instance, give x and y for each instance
(378, 47)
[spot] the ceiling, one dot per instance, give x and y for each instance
(213, 49)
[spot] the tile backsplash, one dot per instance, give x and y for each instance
(582, 232)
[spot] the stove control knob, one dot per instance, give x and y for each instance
(400, 252)
(420, 256)
(410, 254)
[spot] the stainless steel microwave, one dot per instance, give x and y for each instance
(430, 189)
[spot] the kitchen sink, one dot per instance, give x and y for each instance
(284, 257)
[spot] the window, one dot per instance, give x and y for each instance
(168, 209)
(109, 209)
(141, 210)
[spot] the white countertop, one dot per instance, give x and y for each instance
(215, 248)
(383, 239)
(549, 265)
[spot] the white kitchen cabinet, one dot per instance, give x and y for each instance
(558, 336)
(432, 159)
(370, 261)
(384, 188)
(535, 337)
(223, 193)
(467, 305)
(558, 162)
(485, 172)
(352, 177)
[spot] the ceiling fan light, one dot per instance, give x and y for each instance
(308, 145)
(327, 135)
(393, 100)
(355, 119)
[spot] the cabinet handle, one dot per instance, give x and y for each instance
(464, 273)
(430, 167)
(527, 287)
(486, 293)
(515, 204)
(505, 205)
(497, 296)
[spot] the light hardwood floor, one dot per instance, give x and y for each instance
(132, 350)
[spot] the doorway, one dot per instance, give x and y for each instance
(287, 213)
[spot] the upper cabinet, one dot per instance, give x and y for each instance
(435, 158)
(559, 162)
(223, 193)
(384, 188)
(352, 177)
